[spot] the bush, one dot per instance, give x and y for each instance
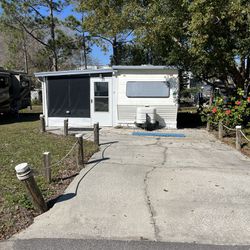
(231, 111)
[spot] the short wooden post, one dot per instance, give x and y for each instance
(80, 154)
(221, 132)
(96, 134)
(208, 125)
(66, 127)
(47, 168)
(24, 174)
(42, 120)
(238, 138)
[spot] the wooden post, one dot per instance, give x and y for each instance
(47, 169)
(42, 120)
(80, 154)
(238, 138)
(66, 127)
(24, 174)
(221, 132)
(208, 126)
(96, 134)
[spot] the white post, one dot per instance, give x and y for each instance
(238, 138)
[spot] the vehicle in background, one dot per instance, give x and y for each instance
(14, 91)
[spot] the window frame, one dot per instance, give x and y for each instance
(147, 82)
(101, 96)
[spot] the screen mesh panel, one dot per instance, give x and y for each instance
(69, 96)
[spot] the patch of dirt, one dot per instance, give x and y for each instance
(14, 220)
(230, 140)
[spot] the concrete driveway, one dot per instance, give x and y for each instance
(193, 189)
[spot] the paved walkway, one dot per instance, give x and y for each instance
(193, 189)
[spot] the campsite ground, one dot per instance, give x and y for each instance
(151, 190)
(188, 117)
(22, 141)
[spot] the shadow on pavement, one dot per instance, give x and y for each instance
(68, 196)
(61, 198)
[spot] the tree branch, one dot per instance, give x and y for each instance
(31, 34)
(104, 38)
(37, 12)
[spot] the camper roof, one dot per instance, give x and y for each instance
(102, 70)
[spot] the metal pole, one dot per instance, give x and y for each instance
(24, 174)
(80, 154)
(238, 138)
(66, 127)
(221, 132)
(47, 169)
(96, 134)
(42, 120)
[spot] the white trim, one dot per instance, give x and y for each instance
(73, 122)
(73, 72)
(103, 71)
(45, 101)
(142, 67)
(105, 118)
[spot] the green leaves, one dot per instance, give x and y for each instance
(232, 111)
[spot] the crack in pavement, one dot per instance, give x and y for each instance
(164, 152)
(150, 207)
(146, 191)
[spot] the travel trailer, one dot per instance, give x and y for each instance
(115, 96)
(14, 91)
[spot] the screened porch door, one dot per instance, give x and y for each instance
(101, 101)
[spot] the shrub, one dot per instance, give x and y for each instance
(231, 111)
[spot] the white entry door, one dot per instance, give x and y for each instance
(101, 100)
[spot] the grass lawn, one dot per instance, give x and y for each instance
(187, 110)
(21, 141)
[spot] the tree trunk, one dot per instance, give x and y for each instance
(85, 52)
(25, 54)
(237, 77)
(52, 33)
(84, 46)
(115, 52)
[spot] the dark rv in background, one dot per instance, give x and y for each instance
(14, 91)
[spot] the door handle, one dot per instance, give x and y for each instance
(91, 100)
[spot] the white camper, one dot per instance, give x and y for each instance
(121, 95)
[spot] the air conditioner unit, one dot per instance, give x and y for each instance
(145, 115)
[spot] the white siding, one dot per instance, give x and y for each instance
(73, 122)
(166, 114)
(166, 108)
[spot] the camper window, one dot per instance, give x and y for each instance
(148, 89)
(101, 97)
